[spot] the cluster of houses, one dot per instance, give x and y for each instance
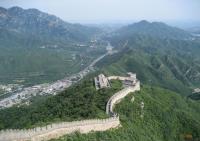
(24, 94)
(10, 87)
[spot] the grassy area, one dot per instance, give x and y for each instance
(167, 117)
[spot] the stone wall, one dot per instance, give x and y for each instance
(117, 77)
(59, 129)
(122, 78)
(117, 97)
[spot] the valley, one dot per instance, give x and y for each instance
(23, 94)
(50, 51)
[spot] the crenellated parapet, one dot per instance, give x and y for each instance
(59, 129)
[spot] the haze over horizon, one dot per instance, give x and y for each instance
(115, 11)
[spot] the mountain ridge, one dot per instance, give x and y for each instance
(43, 26)
(154, 29)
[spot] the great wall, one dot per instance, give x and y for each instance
(57, 130)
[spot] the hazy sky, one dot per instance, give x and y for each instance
(114, 10)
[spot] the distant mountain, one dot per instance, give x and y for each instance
(41, 27)
(159, 54)
(154, 29)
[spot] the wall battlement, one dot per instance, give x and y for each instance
(59, 129)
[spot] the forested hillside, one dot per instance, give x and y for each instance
(167, 117)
